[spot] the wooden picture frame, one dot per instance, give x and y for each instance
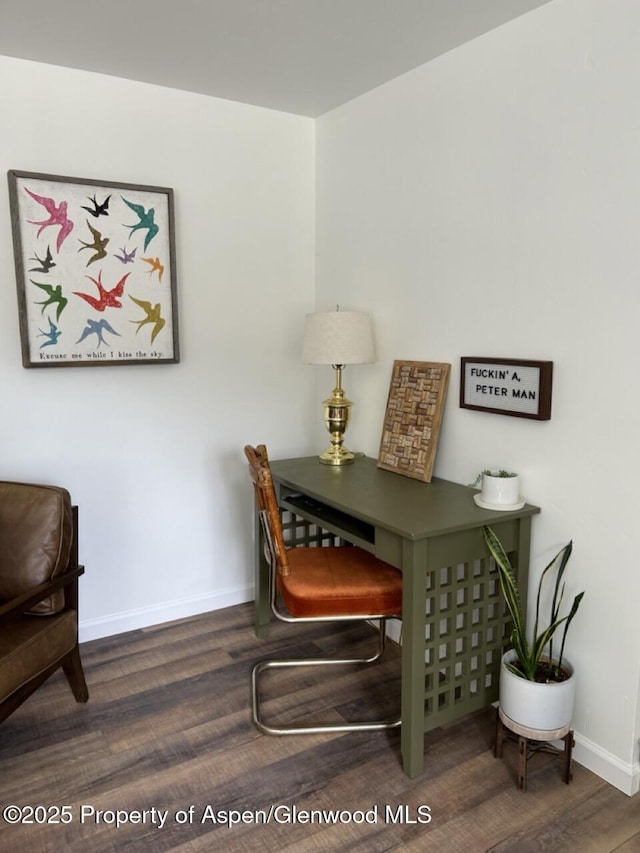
(413, 417)
(507, 386)
(95, 271)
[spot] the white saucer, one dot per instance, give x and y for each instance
(498, 507)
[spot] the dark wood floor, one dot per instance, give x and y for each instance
(167, 729)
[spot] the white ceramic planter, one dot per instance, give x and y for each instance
(545, 707)
(500, 490)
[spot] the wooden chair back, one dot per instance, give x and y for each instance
(274, 545)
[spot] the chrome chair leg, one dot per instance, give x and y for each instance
(293, 729)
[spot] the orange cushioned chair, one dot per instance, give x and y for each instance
(319, 584)
(38, 592)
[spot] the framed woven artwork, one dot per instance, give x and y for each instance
(417, 395)
(95, 271)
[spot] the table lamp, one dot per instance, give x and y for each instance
(337, 338)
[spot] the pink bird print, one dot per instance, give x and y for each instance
(57, 216)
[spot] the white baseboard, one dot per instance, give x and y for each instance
(620, 774)
(130, 620)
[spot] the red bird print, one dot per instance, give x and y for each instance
(107, 298)
(57, 216)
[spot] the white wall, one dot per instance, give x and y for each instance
(488, 204)
(153, 454)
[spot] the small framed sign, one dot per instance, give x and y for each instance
(507, 386)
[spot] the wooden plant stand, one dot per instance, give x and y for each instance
(531, 741)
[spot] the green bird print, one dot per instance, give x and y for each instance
(55, 297)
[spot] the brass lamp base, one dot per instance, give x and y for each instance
(336, 456)
(337, 410)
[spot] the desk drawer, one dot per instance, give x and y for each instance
(340, 524)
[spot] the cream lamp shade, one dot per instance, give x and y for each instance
(338, 337)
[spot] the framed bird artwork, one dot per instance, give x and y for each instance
(95, 271)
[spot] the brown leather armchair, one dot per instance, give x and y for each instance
(38, 592)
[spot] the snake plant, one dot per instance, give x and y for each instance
(529, 654)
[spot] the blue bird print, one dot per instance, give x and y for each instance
(52, 335)
(96, 328)
(146, 221)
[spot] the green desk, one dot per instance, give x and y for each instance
(454, 621)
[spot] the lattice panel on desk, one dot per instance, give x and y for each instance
(298, 531)
(466, 627)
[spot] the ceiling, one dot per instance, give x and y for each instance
(299, 56)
